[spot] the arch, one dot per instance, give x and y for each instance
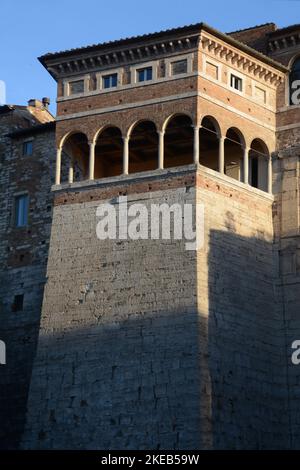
(75, 156)
(178, 140)
(258, 164)
(108, 152)
(234, 146)
(211, 123)
(209, 134)
(294, 76)
(137, 123)
(234, 134)
(143, 146)
(68, 135)
(174, 115)
(100, 131)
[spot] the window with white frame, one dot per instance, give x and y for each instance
(110, 81)
(236, 82)
(144, 74)
(21, 210)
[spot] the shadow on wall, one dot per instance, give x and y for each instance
(124, 386)
(246, 343)
(174, 379)
(19, 331)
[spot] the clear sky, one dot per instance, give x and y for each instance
(30, 28)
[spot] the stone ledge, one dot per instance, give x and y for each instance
(156, 180)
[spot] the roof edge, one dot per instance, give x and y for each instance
(198, 27)
(33, 129)
(251, 28)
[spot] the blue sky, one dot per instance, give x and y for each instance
(33, 27)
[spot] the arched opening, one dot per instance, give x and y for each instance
(234, 154)
(143, 147)
(109, 153)
(209, 143)
(179, 143)
(295, 76)
(258, 165)
(75, 157)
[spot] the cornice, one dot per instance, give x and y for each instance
(97, 61)
(241, 60)
(286, 38)
(144, 48)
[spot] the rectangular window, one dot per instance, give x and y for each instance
(18, 303)
(144, 74)
(27, 148)
(180, 66)
(236, 82)
(110, 81)
(76, 87)
(21, 210)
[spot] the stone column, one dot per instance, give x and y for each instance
(270, 175)
(92, 161)
(161, 149)
(71, 171)
(221, 154)
(58, 166)
(246, 165)
(125, 155)
(196, 146)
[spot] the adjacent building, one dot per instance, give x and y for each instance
(27, 149)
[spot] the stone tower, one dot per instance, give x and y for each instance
(144, 344)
